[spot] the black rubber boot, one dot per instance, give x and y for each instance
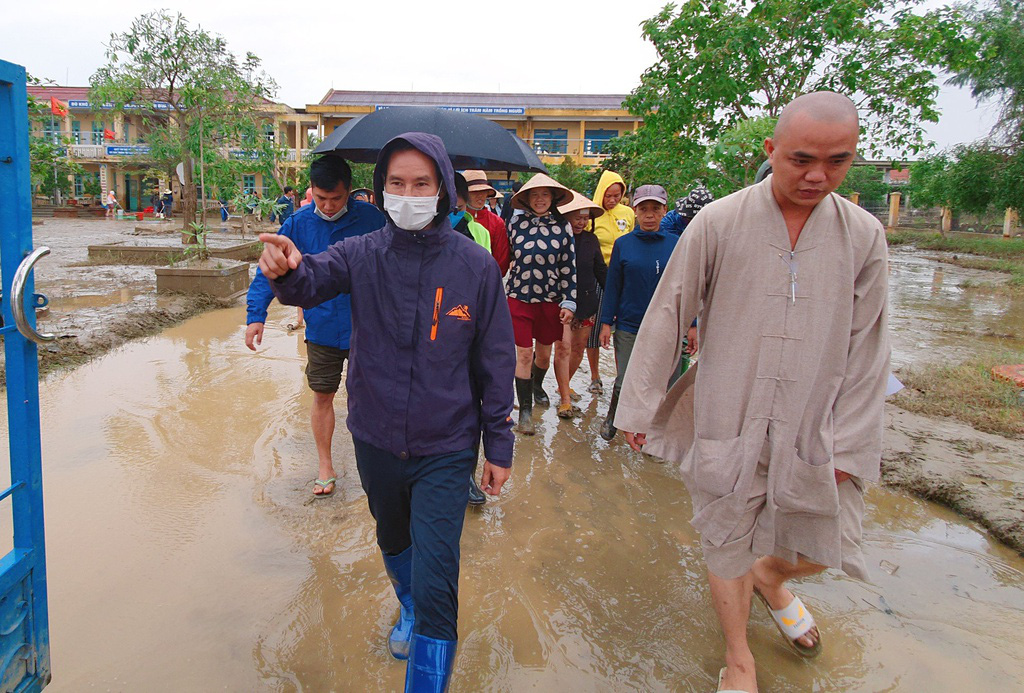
(524, 391)
(608, 430)
(476, 496)
(539, 396)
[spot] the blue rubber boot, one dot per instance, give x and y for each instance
(400, 571)
(430, 665)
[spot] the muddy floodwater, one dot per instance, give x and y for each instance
(185, 552)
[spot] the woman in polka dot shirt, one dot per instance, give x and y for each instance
(541, 290)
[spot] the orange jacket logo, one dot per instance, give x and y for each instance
(459, 312)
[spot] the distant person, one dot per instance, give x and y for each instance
(112, 203)
(167, 204)
(480, 190)
(781, 423)
(541, 291)
(462, 220)
(288, 202)
(432, 369)
(686, 209)
(308, 198)
(331, 218)
(223, 201)
(618, 219)
(591, 272)
(508, 210)
(638, 262)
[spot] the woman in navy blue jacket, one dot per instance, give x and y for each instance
(432, 364)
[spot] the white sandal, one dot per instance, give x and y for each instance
(794, 621)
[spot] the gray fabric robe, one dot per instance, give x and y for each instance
(807, 372)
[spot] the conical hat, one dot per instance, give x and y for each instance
(579, 202)
(562, 194)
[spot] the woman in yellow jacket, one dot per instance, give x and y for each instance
(618, 220)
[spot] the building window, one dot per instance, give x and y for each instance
(268, 132)
(76, 131)
(266, 186)
(248, 184)
(551, 141)
(595, 140)
(127, 132)
(79, 185)
(97, 132)
(51, 130)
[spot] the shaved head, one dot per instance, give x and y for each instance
(819, 106)
(812, 148)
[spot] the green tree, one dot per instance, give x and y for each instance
(966, 178)
(997, 74)
(50, 168)
(582, 179)
(735, 158)
(868, 181)
(721, 62)
(161, 58)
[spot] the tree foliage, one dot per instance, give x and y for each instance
(161, 58)
(725, 62)
(998, 72)
(582, 179)
(974, 178)
(736, 156)
(868, 181)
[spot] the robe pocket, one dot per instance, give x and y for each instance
(716, 465)
(808, 488)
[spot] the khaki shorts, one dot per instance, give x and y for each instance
(324, 365)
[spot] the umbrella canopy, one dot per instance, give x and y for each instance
(472, 142)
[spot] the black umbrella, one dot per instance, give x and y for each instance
(472, 142)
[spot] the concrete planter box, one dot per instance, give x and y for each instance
(123, 254)
(66, 212)
(218, 278)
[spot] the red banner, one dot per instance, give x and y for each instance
(109, 134)
(57, 107)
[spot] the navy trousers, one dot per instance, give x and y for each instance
(421, 502)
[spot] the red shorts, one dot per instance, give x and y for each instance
(532, 321)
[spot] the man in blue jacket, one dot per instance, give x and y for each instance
(432, 367)
(637, 263)
(331, 218)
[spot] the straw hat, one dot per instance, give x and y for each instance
(582, 202)
(478, 181)
(562, 194)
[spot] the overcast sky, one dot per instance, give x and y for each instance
(523, 46)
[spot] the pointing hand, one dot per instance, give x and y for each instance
(279, 257)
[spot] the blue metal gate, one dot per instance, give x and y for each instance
(24, 626)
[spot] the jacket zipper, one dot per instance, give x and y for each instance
(437, 312)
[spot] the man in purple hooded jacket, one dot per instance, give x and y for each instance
(431, 367)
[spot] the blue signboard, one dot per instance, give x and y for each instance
(475, 110)
(243, 154)
(127, 149)
(79, 104)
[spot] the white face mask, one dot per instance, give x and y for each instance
(411, 213)
(337, 215)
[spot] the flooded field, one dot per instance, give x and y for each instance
(185, 550)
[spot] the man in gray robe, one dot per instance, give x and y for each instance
(780, 423)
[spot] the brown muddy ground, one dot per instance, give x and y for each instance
(96, 308)
(185, 553)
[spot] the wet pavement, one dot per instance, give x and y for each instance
(185, 552)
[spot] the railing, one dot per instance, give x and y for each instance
(557, 147)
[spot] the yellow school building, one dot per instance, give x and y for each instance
(554, 125)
